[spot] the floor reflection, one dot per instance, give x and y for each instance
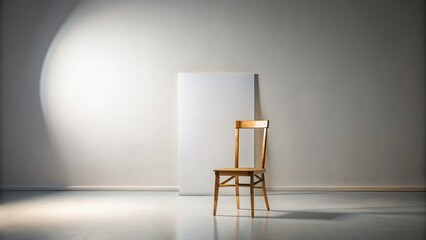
(165, 215)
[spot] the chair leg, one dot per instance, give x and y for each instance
(237, 192)
(252, 194)
(216, 192)
(265, 196)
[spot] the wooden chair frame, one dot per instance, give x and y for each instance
(236, 173)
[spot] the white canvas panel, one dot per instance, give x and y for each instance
(209, 104)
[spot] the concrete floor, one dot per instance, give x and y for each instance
(165, 215)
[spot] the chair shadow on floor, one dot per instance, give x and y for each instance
(302, 215)
(328, 215)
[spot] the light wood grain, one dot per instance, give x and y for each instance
(237, 191)
(252, 124)
(240, 170)
(262, 158)
(265, 196)
(237, 172)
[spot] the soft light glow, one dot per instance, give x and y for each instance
(98, 95)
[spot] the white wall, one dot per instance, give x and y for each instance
(208, 103)
(342, 83)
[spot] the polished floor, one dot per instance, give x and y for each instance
(165, 215)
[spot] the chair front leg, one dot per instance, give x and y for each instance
(216, 192)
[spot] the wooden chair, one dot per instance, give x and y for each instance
(236, 173)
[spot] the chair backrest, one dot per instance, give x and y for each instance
(251, 124)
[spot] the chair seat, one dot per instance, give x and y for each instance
(239, 171)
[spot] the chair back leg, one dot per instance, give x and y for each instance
(237, 191)
(252, 194)
(265, 196)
